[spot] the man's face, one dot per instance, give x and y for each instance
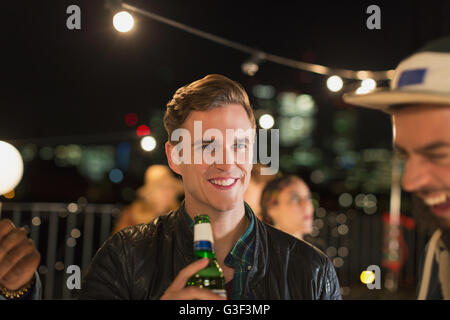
(422, 137)
(217, 185)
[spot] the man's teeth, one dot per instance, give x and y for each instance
(432, 201)
(223, 182)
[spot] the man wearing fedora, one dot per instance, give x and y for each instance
(419, 104)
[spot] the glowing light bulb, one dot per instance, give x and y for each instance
(11, 167)
(123, 21)
(367, 85)
(266, 121)
(148, 143)
(370, 84)
(335, 83)
(250, 68)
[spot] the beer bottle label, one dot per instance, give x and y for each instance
(203, 232)
(203, 246)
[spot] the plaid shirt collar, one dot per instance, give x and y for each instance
(240, 254)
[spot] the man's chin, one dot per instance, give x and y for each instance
(224, 205)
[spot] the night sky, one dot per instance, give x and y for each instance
(65, 86)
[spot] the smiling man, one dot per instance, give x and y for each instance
(211, 133)
(419, 104)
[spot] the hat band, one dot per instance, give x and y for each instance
(411, 77)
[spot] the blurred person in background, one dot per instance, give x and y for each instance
(418, 102)
(286, 204)
(255, 187)
(159, 195)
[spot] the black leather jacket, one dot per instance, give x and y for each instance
(140, 262)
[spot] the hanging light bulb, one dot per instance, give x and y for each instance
(335, 83)
(367, 85)
(123, 21)
(251, 66)
(266, 121)
(11, 167)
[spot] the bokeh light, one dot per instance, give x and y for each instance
(116, 175)
(131, 119)
(148, 143)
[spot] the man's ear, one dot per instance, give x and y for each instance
(175, 167)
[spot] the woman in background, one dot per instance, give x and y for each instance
(255, 187)
(286, 204)
(156, 197)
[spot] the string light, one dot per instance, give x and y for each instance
(123, 21)
(367, 85)
(266, 121)
(335, 83)
(251, 66)
(305, 66)
(11, 167)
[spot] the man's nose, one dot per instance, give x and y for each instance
(226, 162)
(416, 175)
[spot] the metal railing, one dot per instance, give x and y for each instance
(65, 234)
(71, 233)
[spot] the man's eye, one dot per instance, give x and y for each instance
(240, 146)
(437, 156)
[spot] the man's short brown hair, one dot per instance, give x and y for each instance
(212, 91)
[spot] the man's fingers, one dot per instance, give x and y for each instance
(6, 226)
(183, 276)
(178, 290)
(22, 272)
(195, 293)
(12, 239)
(15, 255)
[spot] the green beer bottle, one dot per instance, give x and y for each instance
(210, 277)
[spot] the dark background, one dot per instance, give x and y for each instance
(65, 86)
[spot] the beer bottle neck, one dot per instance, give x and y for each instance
(203, 249)
(199, 254)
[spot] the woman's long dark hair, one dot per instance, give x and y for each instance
(270, 194)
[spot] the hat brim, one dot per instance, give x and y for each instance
(384, 99)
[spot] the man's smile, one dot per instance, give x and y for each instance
(439, 203)
(224, 183)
